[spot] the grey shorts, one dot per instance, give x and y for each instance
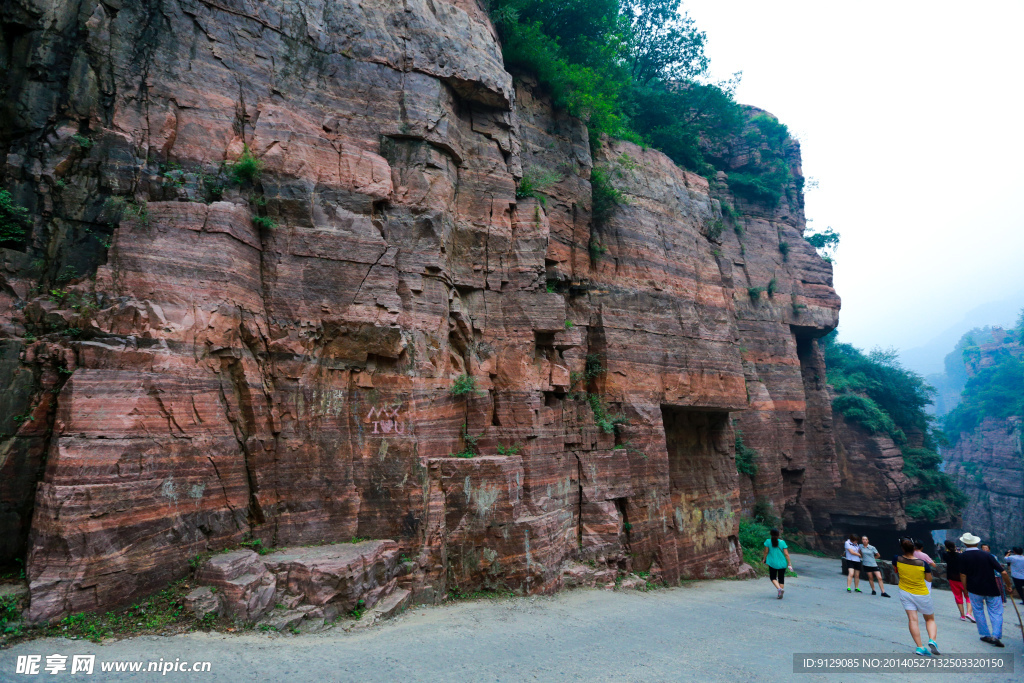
(917, 603)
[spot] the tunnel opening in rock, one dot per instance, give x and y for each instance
(703, 484)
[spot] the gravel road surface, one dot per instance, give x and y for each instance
(703, 631)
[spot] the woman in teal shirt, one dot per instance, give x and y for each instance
(776, 556)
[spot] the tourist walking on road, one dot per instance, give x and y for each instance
(776, 556)
(952, 559)
(1015, 563)
(1003, 590)
(851, 563)
(915, 575)
(977, 573)
(869, 561)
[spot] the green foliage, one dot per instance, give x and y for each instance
(257, 545)
(865, 412)
(715, 230)
(82, 141)
(930, 510)
(471, 449)
(605, 197)
(569, 324)
(745, 457)
(784, 250)
(593, 366)
(155, 614)
(874, 391)
(764, 513)
(755, 293)
(358, 611)
(768, 174)
(534, 182)
(664, 43)
(636, 70)
(464, 385)
(508, 450)
(825, 241)
(264, 222)
(13, 219)
(247, 168)
(575, 48)
(761, 186)
(899, 394)
(605, 421)
(995, 391)
(773, 286)
(752, 537)
(10, 616)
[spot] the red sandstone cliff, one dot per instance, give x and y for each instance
(194, 376)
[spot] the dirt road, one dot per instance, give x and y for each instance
(704, 631)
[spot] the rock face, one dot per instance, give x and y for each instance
(287, 587)
(269, 354)
(988, 463)
(873, 492)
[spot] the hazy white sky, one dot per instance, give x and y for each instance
(911, 117)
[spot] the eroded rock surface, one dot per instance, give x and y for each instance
(988, 463)
(271, 356)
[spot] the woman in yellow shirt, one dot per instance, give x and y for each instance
(915, 577)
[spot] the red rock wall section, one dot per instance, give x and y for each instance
(292, 383)
(988, 465)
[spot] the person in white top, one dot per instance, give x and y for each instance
(851, 562)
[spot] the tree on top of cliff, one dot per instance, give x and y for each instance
(897, 394)
(664, 42)
(636, 70)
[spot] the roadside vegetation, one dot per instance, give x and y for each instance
(873, 391)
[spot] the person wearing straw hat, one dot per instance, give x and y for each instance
(978, 575)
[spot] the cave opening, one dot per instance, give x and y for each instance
(697, 443)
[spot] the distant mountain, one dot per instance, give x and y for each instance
(928, 359)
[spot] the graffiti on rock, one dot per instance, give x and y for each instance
(386, 420)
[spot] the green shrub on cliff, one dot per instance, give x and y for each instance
(13, 219)
(247, 168)
(745, 456)
(995, 391)
(464, 385)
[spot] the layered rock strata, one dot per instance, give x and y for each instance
(988, 463)
(271, 238)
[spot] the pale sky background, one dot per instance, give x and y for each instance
(911, 117)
